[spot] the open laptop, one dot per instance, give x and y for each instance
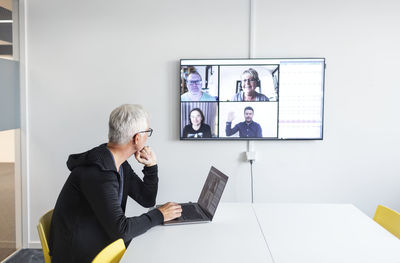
(204, 209)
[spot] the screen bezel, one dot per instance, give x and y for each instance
(244, 62)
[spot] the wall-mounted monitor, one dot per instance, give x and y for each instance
(252, 99)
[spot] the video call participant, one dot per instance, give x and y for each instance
(197, 128)
(194, 93)
(90, 211)
(250, 82)
(247, 128)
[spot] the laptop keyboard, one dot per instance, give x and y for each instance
(189, 212)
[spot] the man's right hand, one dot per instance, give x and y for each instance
(170, 211)
(146, 156)
(231, 116)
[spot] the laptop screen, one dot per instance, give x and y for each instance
(212, 191)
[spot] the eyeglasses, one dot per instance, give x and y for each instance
(250, 80)
(194, 82)
(149, 132)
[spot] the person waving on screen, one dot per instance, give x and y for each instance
(247, 128)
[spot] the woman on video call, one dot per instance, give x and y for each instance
(250, 82)
(197, 128)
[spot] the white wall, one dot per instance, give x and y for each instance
(87, 57)
(357, 162)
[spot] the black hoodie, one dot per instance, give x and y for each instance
(88, 216)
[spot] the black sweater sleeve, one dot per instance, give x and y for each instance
(101, 191)
(144, 192)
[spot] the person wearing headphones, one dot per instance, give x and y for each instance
(250, 82)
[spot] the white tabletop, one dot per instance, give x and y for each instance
(271, 233)
(325, 233)
(233, 236)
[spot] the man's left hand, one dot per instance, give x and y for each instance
(146, 156)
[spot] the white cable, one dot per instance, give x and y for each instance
(250, 144)
(251, 29)
(252, 183)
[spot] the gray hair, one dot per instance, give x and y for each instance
(252, 72)
(194, 73)
(125, 121)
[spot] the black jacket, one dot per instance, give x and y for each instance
(87, 216)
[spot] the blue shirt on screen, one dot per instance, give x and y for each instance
(246, 130)
(205, 97)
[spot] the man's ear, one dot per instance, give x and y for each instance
(135, 139)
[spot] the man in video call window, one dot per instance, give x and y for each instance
(194, 93)
(247, 128)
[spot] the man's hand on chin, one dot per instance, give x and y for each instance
(146, 156)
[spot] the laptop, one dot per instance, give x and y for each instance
(203, 211)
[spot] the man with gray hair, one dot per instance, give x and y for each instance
(90, 210)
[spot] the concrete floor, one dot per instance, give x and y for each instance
(26, 256)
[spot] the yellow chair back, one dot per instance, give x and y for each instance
(112, 253)
(44, 232)
(389, 219)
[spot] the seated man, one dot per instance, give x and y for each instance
(90, 210)
(247, 128)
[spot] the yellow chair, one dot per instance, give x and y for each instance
(44, 232)
(112, 253)
(388, 219)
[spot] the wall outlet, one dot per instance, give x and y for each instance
(251, 156)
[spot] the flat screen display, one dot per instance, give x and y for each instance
(252, 99)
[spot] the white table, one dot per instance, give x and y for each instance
(271, 233)
(336, 233)
(233, 236)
